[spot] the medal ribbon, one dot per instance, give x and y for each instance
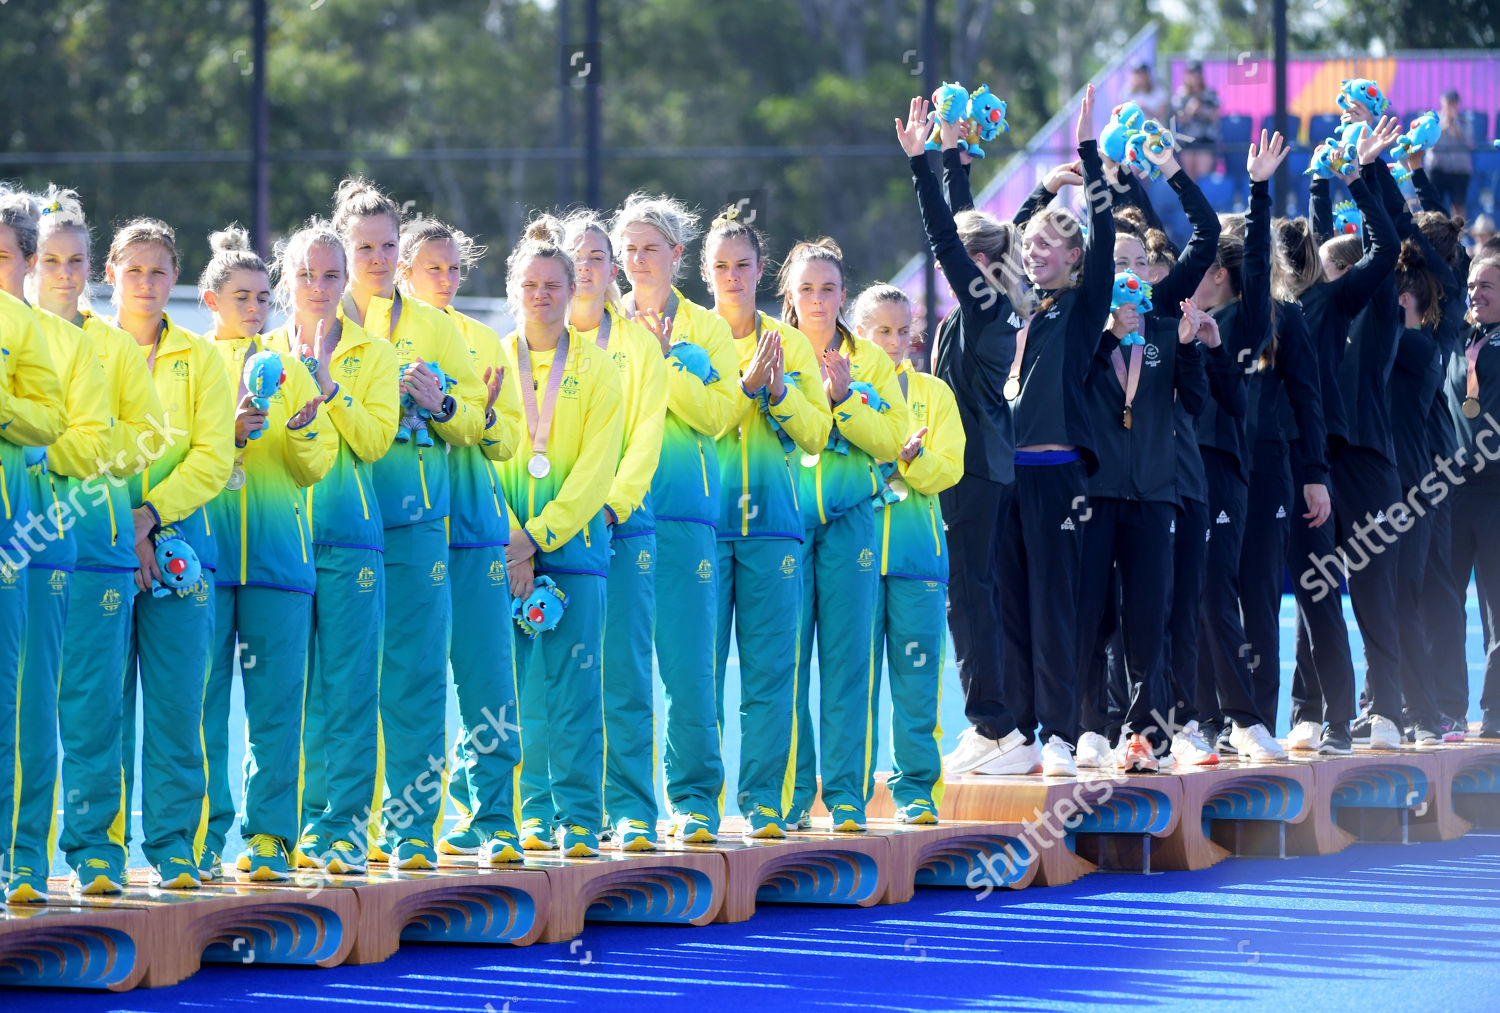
(539, 420)
(1129, 380)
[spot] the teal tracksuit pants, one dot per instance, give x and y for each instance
(14, 584)
(840, 580)
(562, 720)
(414, 681)
(169, 658)
(760, 593)
(266, 629)
(687, 609)
(911, 622)
(487, 755)
(89, 716)
(34, 828)
(629, 711)
(341, 723)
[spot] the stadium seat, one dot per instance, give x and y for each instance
(1234, 137)
(1321, 127)
(1479, 124)
(1219, 190)
(1293, 126)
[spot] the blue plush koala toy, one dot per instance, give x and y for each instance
(692, 358)
(414, 417)
(1130, 290)
(264, 376)
(542, 609)
(180, 569)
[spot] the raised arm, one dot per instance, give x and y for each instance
(1202, 247)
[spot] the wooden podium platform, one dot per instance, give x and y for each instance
(998, 833)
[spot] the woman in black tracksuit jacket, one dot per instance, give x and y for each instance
(1351, 315)
(972, 353)
(1474, 378)
(1055, 453)
(1241, 303)
(1133, 496)
(1444, 603)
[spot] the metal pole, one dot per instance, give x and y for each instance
(564, 105)
(929, 85)
(593, 164)
(1278, 28)
(260, 119)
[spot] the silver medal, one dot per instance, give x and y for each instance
(539, 466)
(236, 479)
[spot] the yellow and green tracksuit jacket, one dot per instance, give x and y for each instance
(362, 412)
(31, 407)
(411, 482)
(757, 464)
(686, 484)
(563, 513)
(262, 530)
(836, 483)
(477, 513)
(196, 443)
(911, 530)
(642, 373)
(86, 531)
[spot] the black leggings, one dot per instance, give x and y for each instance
(1226, 652)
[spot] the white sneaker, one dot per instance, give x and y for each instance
(1093, 750)
(1305, 736)
(1255, 744)
(1384, 734)
(1016, 756)
(1057, 759)
(972, 752)
(1191, 748)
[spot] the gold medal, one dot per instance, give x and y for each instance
(1125, 419)
(1012, 388)
(1471, 408)
(236, 479)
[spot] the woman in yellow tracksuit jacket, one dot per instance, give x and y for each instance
(630, 591)
(30, 701)
(101, 590)
(264, 586)
(434, 257)
(648, 235)
(911, 623)
(411, 484)
(557, 486)
(840, 568)
(170, 643)
(783, 414)
(341, 719)
(53, 479)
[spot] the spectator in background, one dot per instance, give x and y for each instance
(1146, 91)
(1450, 162)
(1196, 109)
(1482, 231)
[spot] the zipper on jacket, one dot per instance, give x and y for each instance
(744, 486)
(359, 484)
(937, 543)
(703, 466)
(422, 477)
(244, 537)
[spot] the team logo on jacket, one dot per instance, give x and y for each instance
(705, 572)
(1153, 355)
(200, 596)
(643, 561)
(918, 409)
(8, 575)
(350, 365)
(497, 573)
(110, 603)
(58, 581)
(788, 565)
(866, 559)
(570, 387)
(365, 579)
(439, 573)
(180, 369)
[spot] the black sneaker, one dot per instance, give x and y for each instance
(1336, 741)
(1489, 730)
(1423, 734)
(1453, 729)
(1223, 745)
(1360, 730)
